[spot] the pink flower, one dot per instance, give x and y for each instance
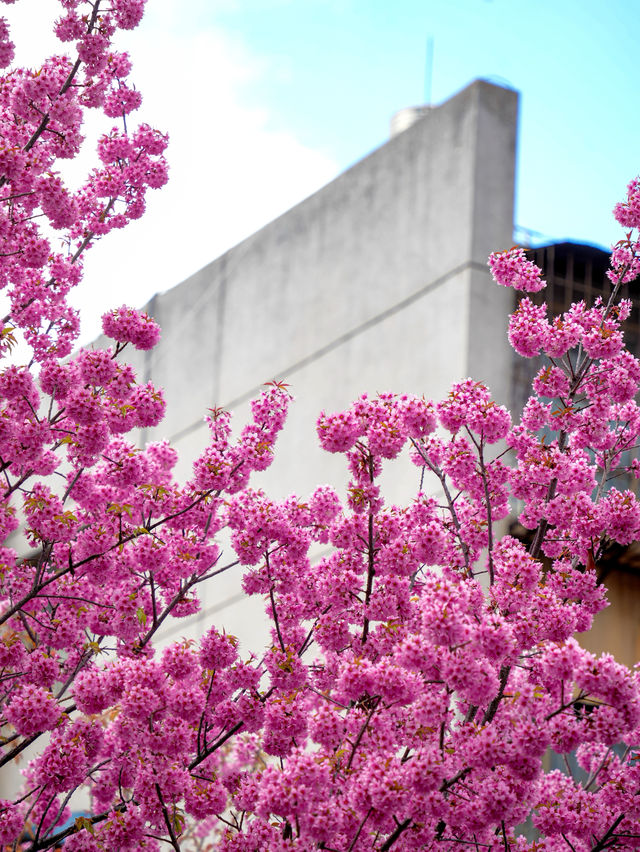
(338, 432)
(127, 325)
(217, 650)
(627, 213)
(512, 269)
(32, 709)
(11, 822)
(528, 328)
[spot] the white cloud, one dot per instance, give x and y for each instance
(232, 171)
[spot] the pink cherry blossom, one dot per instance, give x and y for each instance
(512, 269)
(420, 660)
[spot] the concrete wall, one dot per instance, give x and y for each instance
(376, 282)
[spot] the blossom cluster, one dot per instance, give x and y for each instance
(420, 662)
(41, 116)
(627, 212)
(512, 269)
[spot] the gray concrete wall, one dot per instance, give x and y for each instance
(376, 282)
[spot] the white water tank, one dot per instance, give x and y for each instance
(404, 118)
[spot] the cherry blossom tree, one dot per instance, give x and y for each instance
(417, 672)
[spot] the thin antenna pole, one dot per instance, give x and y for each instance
(428, 71)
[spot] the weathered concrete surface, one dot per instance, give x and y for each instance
(377, 282)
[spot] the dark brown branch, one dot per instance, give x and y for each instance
(401, 828)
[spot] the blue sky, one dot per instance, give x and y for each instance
(267, 100)
(338, 70)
